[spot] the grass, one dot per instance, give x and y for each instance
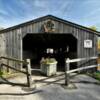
(7, 74)
(4, 73)
(95, 75)
(1, 73)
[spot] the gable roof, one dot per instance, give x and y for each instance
(54, 18)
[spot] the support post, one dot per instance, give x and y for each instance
(98, 61)
(67, 67)
(28, 69)
(8, 65)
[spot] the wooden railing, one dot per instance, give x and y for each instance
(67, 67)
(14, 59)
(27, 63)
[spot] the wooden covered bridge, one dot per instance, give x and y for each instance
(32, 40)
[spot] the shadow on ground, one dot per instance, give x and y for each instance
(61, 77)
(57, 80)
(22, 94)
(6, 81)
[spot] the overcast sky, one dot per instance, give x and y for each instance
(83, 12)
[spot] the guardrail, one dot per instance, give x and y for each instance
(14, 59)
(28, 67)
(67, 67)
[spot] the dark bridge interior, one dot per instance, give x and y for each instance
(35, 47)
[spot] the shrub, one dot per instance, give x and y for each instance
(47, 60)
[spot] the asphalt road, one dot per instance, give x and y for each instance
(87, 89)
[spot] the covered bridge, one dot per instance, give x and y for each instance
(32, 40)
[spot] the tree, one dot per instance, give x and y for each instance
(93, 28)
(1, 28)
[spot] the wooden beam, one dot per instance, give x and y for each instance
(67, 68)
(28, 70)
(80, 59)
(14, 59)
(13, 68)
(82, 68)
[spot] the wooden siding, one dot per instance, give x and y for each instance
(11, 41)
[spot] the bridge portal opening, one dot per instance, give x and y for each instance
(35, 47)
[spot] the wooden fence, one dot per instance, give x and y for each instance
(67, 67)
(27, 63)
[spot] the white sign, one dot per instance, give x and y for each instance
(87, 43)
(49, 50)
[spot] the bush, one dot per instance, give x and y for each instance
(47, 60)
(1, 73)
(97, 75)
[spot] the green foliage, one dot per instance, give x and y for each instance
(48, 60)
(97, 75)
(4, 73)
(1, 73)
(93, 28)
(1, 28)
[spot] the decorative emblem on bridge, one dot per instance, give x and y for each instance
(49, 26)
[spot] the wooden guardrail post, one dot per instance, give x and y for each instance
(67, 68)
(8, 65)
(28, 69)
(98, 61)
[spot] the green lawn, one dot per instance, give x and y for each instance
(8, 75)
(95, 75)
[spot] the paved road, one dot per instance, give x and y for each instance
(87, 89)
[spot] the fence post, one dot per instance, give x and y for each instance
(28, 69)
(98, 61)
(67, 67)
(8, 65)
